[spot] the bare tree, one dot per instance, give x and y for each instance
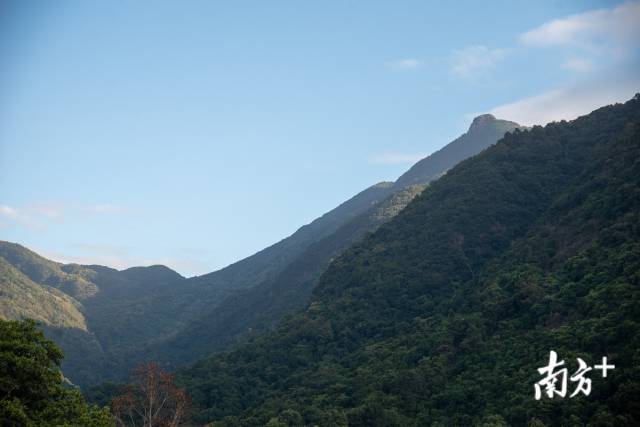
(151, 400)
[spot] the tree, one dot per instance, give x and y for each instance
(151, 400)
(32, 391)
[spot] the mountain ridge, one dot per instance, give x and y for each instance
(443, 314)
(249, 312)
(484, 131)
(154, 313)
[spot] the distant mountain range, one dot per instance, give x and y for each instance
(107, 320)
(70, 301)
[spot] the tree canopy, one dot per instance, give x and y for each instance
(32, 388)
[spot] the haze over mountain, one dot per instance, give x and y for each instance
(154, 313)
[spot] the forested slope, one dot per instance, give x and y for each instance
(253, 311)
(83, 308)
(256, 306)
(153, 313)
(444, 314)
(20, 297)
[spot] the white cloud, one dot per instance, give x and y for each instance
(397, 158)
(38, 216)
(49, 210)
(105, 208)
(581, 65)
(570, 102)
(8, 211)
(474, 60)
(619, 26)
(19, 217)
(405, 64)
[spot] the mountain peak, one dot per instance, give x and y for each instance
(485, 130)
(482, 120)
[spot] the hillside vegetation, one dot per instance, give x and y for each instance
(20, 298)
(76, 284)
(254, 306)
(248, 313)
(75, 304)
(108, 321)
(443, 315)
(32, 390)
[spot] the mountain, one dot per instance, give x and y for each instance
(42, 270)
(443, 315)
(145, 313)
(132, 326)
(21, 297)
(484, 131)
(268, 262)
(288, 283)
(71, 302)
(252, 311)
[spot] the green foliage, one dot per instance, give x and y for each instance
(442, 316)
(103, 393)
(251, 312)
(21, 297)
(76, 284)
(31, 385)
(92, 312)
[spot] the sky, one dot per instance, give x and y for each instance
(193, 134)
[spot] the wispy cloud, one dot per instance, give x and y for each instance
(405, 64)
(397, 158)
(8, 212)
(38, 216)
(570, 102)
(597, 44)
(20, 217)
(105, 208)
(580, 65)
(592, 30)
(48, 210)
(472, 61)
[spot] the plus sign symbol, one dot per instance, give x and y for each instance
(604, 367)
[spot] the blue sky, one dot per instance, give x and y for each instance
(195, 133)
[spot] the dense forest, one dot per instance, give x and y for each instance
(443, 315)
(32, 389)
